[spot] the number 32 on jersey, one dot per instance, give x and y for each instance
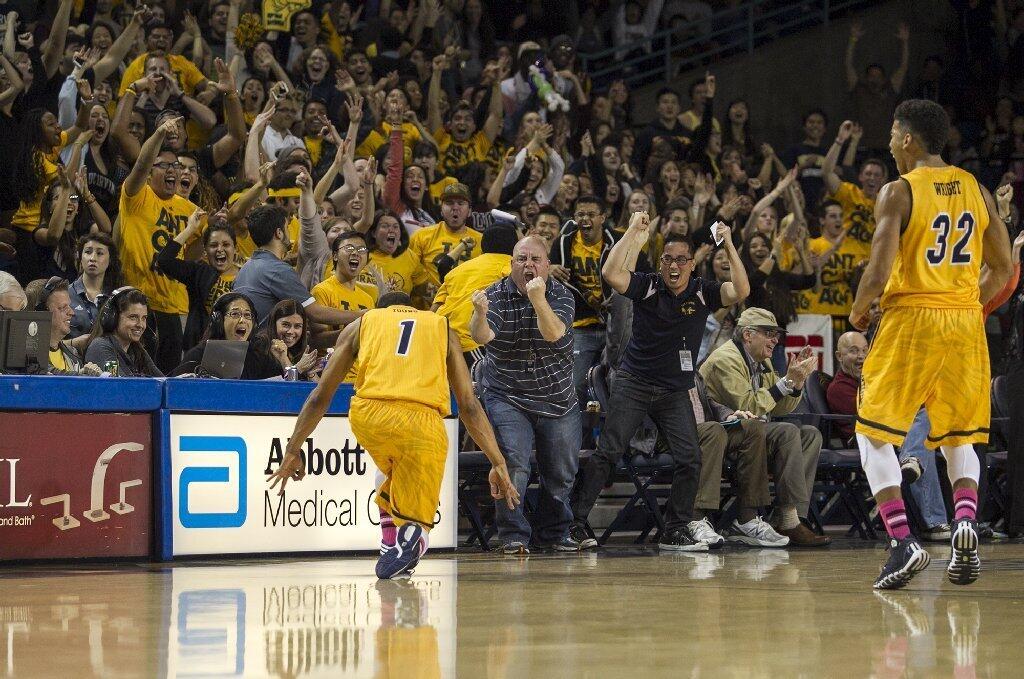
(943, 225)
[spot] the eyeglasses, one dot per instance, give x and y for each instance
(167, 166)
(669, 260)
(769, 333)
(352, 248)
(239, 315)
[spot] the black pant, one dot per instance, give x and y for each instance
(632, 399)
(1015, 449)
(169, 338)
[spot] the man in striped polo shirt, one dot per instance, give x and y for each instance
(525, 320)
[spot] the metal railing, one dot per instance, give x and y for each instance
(732, 31)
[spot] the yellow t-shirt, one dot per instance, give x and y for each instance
(456, 293)
(858, 215)
(334, 294)
(147, 225)
(403, 273)
(28, 214)
(431, 241)
(586, 264)
(453, 155)
(244, 246)
(315, 146)
(188, 73)
(379, 137)
(691, 121)
(57, 361)
(437, 188)
(835, 297)
(294, 233)
(222, 285)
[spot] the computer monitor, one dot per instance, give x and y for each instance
(24, 341)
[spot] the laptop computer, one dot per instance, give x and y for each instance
(225, 358)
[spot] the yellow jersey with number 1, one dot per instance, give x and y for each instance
(403, 357)
(938, 264)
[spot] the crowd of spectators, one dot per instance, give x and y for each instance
(178, 173)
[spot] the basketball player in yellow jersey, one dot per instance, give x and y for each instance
(935, 226)
(406, 360)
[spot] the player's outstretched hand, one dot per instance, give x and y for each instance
(501, 486)
(291, 469)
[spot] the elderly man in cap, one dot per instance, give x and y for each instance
(451, 236)
(739, 375)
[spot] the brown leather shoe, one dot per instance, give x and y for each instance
(802, 536)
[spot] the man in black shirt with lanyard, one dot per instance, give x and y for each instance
(670, 309)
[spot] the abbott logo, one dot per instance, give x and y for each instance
(193, 475)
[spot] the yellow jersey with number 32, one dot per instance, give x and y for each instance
(938, 264)
(403, 356)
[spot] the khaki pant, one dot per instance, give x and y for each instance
(793, 452)
(744, 442)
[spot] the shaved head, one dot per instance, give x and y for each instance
(851, 350)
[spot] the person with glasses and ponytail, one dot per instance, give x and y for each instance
(233, 317)
(207, 280)
(117, 336)
(151, 215)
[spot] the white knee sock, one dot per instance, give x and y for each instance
(879, 463)
(962, 462)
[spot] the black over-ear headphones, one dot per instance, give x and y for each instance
(220, 307)
(109, 312)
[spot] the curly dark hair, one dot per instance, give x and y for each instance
(926, 120)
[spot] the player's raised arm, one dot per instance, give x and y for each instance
(891, 212)
(995, 252)
(473, 416)
(316, 405)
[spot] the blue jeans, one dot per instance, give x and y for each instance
(926, 490)
(557, 442)
(586, 353)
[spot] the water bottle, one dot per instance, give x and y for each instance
(291, 374)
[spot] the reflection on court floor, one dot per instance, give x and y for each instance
(315, 619)
(624, 612)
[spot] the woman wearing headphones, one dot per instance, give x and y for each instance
(205, 281)
(234, 318)
(117, 336)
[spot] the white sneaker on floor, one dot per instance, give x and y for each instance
(756, 533)
(703, 531)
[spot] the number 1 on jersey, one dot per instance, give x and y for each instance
(405, 339)
(943, 224)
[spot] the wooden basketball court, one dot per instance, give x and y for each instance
(623, 612)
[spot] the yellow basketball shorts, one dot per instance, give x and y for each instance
(935, 358)
(409, 444)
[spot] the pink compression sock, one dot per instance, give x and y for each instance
(389, 534)
(894, 515)
(965, 504)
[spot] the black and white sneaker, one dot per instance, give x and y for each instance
(681, 540)
(906, 559)
(579, 532)
(703, 531)
(964, 562)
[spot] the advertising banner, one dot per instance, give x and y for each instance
(814, 330)
(75, 485)
(312, 619)
(220, 502)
